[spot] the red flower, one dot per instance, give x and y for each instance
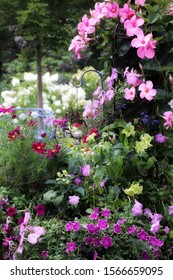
(85, 138)
(39, 148)
(78, 124)
(94, 130)
(51, 153)
(12, 135)
(31, 123)
(40, 210)
(11, 211)
(4, 109)
(43, 135)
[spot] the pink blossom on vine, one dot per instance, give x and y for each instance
(86, 25)
(110, 10)
(126, 13)
(97, 13)
(145, 45)
(132, 25)
(132, 78)
(168, 117)
(112, 78)
(147, 91)
(130, 93)
(78, 43)
(140, 2)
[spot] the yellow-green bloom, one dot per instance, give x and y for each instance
(144, 144)
(129, 130)
(135, 188)
(91, 138)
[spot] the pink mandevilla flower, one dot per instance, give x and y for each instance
(126, 13)
(168, 116)
(87, 25)
(140, 2)
(145, 45)
(147, 91)
(110, 10)
(132, 26)
(132, 78)
(130, 93)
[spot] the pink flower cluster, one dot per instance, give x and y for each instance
(132, 25)
(145, 89)
(93, 108)
(87, 25)
(168, 117)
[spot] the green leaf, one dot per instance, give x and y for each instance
(81, 191)
(49, 196)
(161, 94)
(150, 162)
(56, 201)
(153, 17)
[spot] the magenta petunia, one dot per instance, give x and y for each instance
(106, 242)
(11, 211)
(40, 210)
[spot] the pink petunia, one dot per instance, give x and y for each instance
(86, 170)
(137, 208)
(74, 199)
(147, 91)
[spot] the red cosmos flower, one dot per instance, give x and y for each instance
(51, 153)
(78, 124)
(4, 109)
(13, 135)
(40, 210)
(31, 123)
(94, 130)
(11, 211)
(43, 135)
(39, 148)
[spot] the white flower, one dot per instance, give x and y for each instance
(34, 114)
(24, 92)
(15, 121)
(28, 77)
(57, 103)
(58, 111)
(22, 116)
(15, 82)
(65, 98)
(7, 93)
